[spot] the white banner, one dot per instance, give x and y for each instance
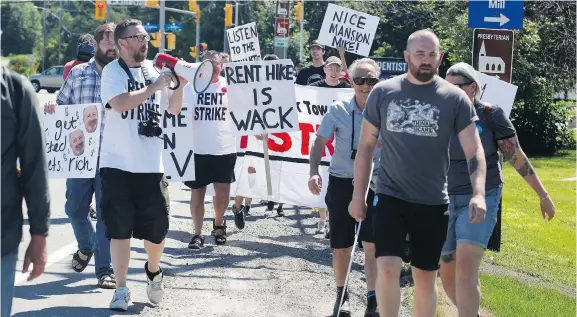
(262, 96)
(289, 153)
(177, 152)
(243, 43)
(348, 28)
(497, 92)
(72, 135)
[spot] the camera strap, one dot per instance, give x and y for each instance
(353, 132)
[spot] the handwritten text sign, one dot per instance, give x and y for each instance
(348, 28)
(177, 154)
(243, 43)
(72, 135)
(264, 96)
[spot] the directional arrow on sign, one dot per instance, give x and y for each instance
(501, 19)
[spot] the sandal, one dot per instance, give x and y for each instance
(107, 281)
(79, 261)
(219, 233)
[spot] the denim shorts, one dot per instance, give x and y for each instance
(460, 227)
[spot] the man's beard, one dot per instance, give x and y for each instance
(102, 58)
(423, 75)
(139, 56)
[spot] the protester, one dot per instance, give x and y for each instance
(298, 66)
(135, 200)
(23, 141)
(466, 242)
(333, 68)
(344, 119)
(84, 52)
(314, 72)
(214, 158)
(81, 87)
(225, 59)
(416, 115)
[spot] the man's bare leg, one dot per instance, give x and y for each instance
(220, 202)
(120, 257)
(388, 285)
(197, 208)
(425, 302)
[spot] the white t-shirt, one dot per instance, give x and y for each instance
(211, 129)
(122, 147)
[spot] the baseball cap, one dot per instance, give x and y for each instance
(316, 43)
(345, 76)
(333, 60)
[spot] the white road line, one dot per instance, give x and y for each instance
(53, 258)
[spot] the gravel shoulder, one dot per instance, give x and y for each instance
(273, 267)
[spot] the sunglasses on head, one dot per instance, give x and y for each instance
(371, 81)
(461, 85)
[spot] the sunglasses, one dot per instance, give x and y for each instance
(461, 85)
(140, 37)
(371, 81)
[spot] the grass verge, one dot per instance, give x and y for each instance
(530, 244)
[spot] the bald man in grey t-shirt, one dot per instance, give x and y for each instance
(416, 115)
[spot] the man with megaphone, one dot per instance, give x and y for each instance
(135, 200)
(214, 150)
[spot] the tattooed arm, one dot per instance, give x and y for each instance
(516, 157)
(471, 144)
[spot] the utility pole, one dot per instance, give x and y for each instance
(302, 30)
(59, 32)
(44, 36)
(162, 21)
(236, 5)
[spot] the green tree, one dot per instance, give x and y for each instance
(21, 25)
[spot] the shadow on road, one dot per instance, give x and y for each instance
(65, 311)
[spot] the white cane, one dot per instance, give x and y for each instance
(349, 269)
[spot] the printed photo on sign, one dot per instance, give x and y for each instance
(348, 28)
(264, 96)
(243, 43)
(72, 136)
(497, 92)
(289, 153)
(177, 150)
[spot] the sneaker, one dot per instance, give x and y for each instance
(345, 309)
(196, 242)
(321, 226)
(371, 310)
(279, 211)
(121, 299)
(238, 217)
(155, 288)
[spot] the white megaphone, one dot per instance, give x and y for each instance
(199, 74)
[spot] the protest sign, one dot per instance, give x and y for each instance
(177, 151)
(497, 92)
(72, 136)
(289, 153)
(264, 96)
(348, 28)
(243, 43)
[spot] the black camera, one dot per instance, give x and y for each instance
(150, 128)
(353, 154)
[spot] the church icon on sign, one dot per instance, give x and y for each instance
(490, 64)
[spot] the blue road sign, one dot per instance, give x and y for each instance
(151, 27)
(173, 27)
(496, 14)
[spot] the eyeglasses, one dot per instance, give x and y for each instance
(139, 37)
(371, 81)
(461, 85)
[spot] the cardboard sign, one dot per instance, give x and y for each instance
(72, 136)
(348, 28)
(243, 43)
(264, 96)
(497, 92)
(289, 154)
(177, 152)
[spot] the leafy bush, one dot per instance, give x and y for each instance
(541, 123)
(21, 64)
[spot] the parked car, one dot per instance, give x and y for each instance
(51, 79)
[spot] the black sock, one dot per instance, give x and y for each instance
(340, 291)
(371, 294)
(247, 208)
(150, 275)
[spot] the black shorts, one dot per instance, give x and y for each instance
(134, 205)
(426, 225)
(211, 169)
(338, 197)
